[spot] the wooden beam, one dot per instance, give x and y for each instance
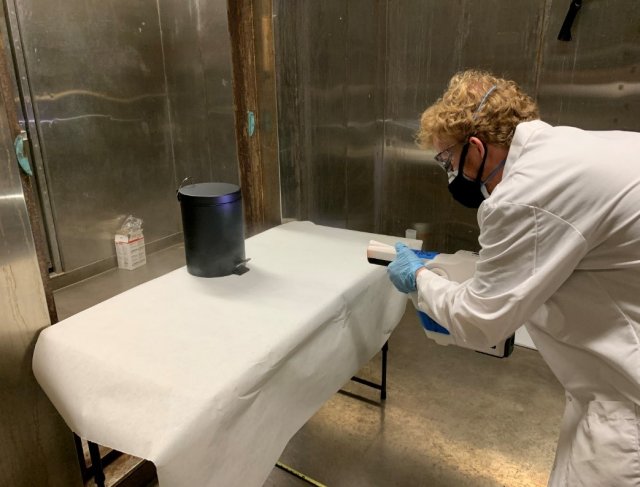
(254, 95)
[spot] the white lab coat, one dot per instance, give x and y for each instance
(560, 252)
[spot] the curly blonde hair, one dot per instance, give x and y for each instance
(461, 111)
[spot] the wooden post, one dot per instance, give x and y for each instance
(254, 95)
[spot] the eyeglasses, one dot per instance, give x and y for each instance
(445, 157)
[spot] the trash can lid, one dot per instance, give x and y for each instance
(209, 193)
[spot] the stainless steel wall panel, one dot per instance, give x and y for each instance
(129, 98)
(327, 28)
(215, 49)
(330, 88)
(428, 41)
(179, 31)
(26, 119)
(352, 92)
(198, 65)
(35, 445)
(593, 81)
(292, 75)
(365, 95)
(98, 83)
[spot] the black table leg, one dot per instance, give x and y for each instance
(96, 464)
(383, 388)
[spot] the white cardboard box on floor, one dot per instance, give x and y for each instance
(130, 250)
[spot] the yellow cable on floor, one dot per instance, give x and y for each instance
(300, 475)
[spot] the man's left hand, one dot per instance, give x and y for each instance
(402, 271)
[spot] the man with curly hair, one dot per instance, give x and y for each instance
(559, 217)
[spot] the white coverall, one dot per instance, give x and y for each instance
(560, 252)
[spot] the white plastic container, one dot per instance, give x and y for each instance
(456, 267)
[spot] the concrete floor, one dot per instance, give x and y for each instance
(453, 417)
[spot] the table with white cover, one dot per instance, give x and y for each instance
(210, 378)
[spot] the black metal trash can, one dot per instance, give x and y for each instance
(213, 228)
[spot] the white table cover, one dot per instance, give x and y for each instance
(210, 378)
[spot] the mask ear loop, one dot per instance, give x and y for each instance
(495, 171)
(463, 158)
(474, 116)
(481, 169)
(465, 148)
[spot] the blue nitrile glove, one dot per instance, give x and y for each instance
(402, 271)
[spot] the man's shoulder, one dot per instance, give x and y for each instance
(527, 132)
(524, 130)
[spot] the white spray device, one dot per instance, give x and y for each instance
(456, 267)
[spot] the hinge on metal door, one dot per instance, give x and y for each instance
(23, 160)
